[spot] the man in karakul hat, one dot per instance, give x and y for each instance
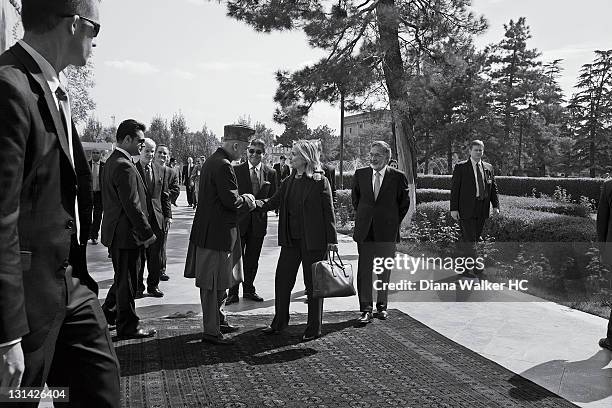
(213, 257)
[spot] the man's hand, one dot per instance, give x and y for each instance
(495, 211)
(147, 243)
(249, 199)
(455, 215)
(12, 366)
(332, 248)
(167, 223)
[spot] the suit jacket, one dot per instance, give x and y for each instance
(255, 222)
(99, 173)
(318, 213)
(463, 190)
(604, 223)
(281, 173)
(186, 175)
(216, 218)
(39, 185)
(172, 181)
(126, 219)
(158, 200)
(330, 173)
(385, 214)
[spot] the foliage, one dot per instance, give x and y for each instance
(159, 131)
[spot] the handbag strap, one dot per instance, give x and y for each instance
(338, 262)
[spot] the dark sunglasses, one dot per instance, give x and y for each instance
(96, 25)
(255, 151)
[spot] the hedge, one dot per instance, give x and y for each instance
(523, 186)
(523, 225)
(343, 197)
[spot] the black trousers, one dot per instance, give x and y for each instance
(152, 256)
(119, 304)
(471, 230)
(189, 190)
(251, 250)
(368, 250)
(78, 353)
(610, 327)
(97, 215)
(164, 257)
(284, 281)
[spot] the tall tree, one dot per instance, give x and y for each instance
(92, 132)
(592, 113)
(159, 131)
(512, 69)
(390, 33)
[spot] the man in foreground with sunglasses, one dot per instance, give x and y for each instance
(253, 177)
(52, 329)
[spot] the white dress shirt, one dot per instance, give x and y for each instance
(382, 176)
(474, 166)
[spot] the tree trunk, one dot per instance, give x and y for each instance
(449, 155)
(520, 151)
(393, 67)
(341, 138)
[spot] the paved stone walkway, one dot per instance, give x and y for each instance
(552, 345)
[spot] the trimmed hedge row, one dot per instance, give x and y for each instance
(523, 186)
(424, 195)
(523, 225)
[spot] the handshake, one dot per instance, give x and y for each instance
(251, 202)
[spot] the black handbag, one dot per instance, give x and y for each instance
(332, 278)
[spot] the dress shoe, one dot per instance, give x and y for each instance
(228, 328)
(606, 343)
(139, 295)
(306, 338)
(382, 314)
(231, 299)
(138, 334)
(366, 317)
(94, 241)
(217, 340)
(269, 330)
(155, 292)
(111, 327)
(253, 296)
(164, 277)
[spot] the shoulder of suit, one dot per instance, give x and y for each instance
(362, 169)
(463, 162)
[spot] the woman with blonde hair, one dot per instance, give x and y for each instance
(306, 232)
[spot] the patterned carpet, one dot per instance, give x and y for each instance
(397, 363)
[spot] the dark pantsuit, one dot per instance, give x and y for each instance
(471, 230)
(97, 215)
(119, 302)
(368, 250)
(251, 246)
(286, 273)
(83, 355)
(153, 258)
(610, 327)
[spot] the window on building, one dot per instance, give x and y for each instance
(350, 130)
(361, 126)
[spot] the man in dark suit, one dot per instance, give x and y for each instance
(125, 228)
(171, 179)
(473, 190)
(253, 177)
(97, 167)
(187, 182)
(51, 330)
(381, 199)
(214, 240)
(282, 170)
(604, 237)
(160, 216)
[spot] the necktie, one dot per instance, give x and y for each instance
(480, 182)
(376, 185)
(255, 181)
(95, 176)
(149, 175)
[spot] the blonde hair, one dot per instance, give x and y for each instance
(309, 151)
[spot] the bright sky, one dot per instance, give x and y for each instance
(161, 56)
